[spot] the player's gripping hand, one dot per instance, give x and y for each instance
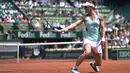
(61, 30)
(102, 42)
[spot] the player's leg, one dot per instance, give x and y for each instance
(98, 61)
(98, 58)
(87, 51)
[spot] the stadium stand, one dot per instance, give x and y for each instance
(9, 15)
(12, 19)
(54, 13)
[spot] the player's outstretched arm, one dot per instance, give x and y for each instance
(73, 25)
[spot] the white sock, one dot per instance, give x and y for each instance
(75, 67)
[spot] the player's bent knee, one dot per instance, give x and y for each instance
(86, 53)
(83, 55)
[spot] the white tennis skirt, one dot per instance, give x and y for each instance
(96, 46)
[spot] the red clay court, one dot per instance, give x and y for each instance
(61, 66)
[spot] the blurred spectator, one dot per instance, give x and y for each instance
(0, 20)
(36, 3)
(37, 25)
(121, 36)
(56, 25)
(108, 36)
(6, 35)
(108, 29)
(24, 20)
(76, 4)
(6, 19)
(55, 46)
(126, 40)
(17, 19)
(29, 3)
(21, 3)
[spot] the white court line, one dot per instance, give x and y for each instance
(4, 70)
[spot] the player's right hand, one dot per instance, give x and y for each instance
(60, 31)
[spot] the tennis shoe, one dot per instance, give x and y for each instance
(74, 70)
(95, 68)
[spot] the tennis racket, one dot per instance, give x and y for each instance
(33, 19)
(54, 28)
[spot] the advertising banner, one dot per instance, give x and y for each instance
(47, 34)
(123, 54)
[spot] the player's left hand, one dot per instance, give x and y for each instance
(102, 42)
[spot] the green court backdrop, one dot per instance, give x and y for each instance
(8, 52)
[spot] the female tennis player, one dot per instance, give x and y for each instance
(92, 39)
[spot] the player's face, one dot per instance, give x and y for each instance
(87, 9)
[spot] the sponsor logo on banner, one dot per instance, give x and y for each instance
(26, 35)
(124, 54)
(68, 35)
(47, 35)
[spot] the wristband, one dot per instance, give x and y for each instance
(102, 39)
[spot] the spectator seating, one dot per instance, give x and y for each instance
(53, 14)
